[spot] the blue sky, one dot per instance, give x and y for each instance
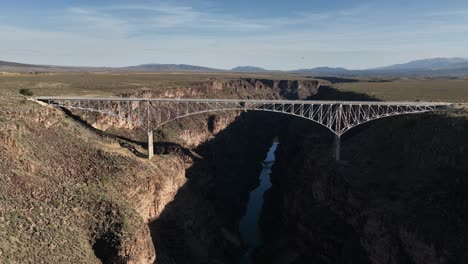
(223, 34)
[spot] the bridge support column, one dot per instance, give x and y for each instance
(337, 147)
(150, 145)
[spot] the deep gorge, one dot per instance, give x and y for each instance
(194, 217)
(319, 211)
(398, 196)
(201, 225)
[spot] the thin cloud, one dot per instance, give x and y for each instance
(165, 16)
(183, 18)
(446, 13)
(93, 21)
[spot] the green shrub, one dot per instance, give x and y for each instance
(105, 179)
(26, 91)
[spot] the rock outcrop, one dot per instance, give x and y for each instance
(72, 206)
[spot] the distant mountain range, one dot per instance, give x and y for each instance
(429, 64)
(169, 67)
(429, 67)
(425, 67)
(321, 70)
(14, 64)
(248, 69)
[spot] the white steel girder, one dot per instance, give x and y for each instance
(150, 114)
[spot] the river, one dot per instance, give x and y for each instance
(249, 223)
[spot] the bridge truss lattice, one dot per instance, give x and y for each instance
(152, 113)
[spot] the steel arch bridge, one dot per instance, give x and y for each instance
(152, 113)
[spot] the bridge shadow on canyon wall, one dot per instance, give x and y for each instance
(133, 145)
(124, 142)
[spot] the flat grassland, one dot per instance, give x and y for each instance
(444, 90)
(111, 84)
(115, 84)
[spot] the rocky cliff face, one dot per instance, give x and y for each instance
(58, 205)
(399, 196)
(82, 206)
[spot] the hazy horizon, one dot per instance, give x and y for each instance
(224, 34)
(227, 69)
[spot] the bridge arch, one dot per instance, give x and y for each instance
(236, 109)
(292, 114)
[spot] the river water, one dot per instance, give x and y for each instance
(249, 223)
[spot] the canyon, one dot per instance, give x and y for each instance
(81, 186)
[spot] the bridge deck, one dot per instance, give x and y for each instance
(204, 100)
